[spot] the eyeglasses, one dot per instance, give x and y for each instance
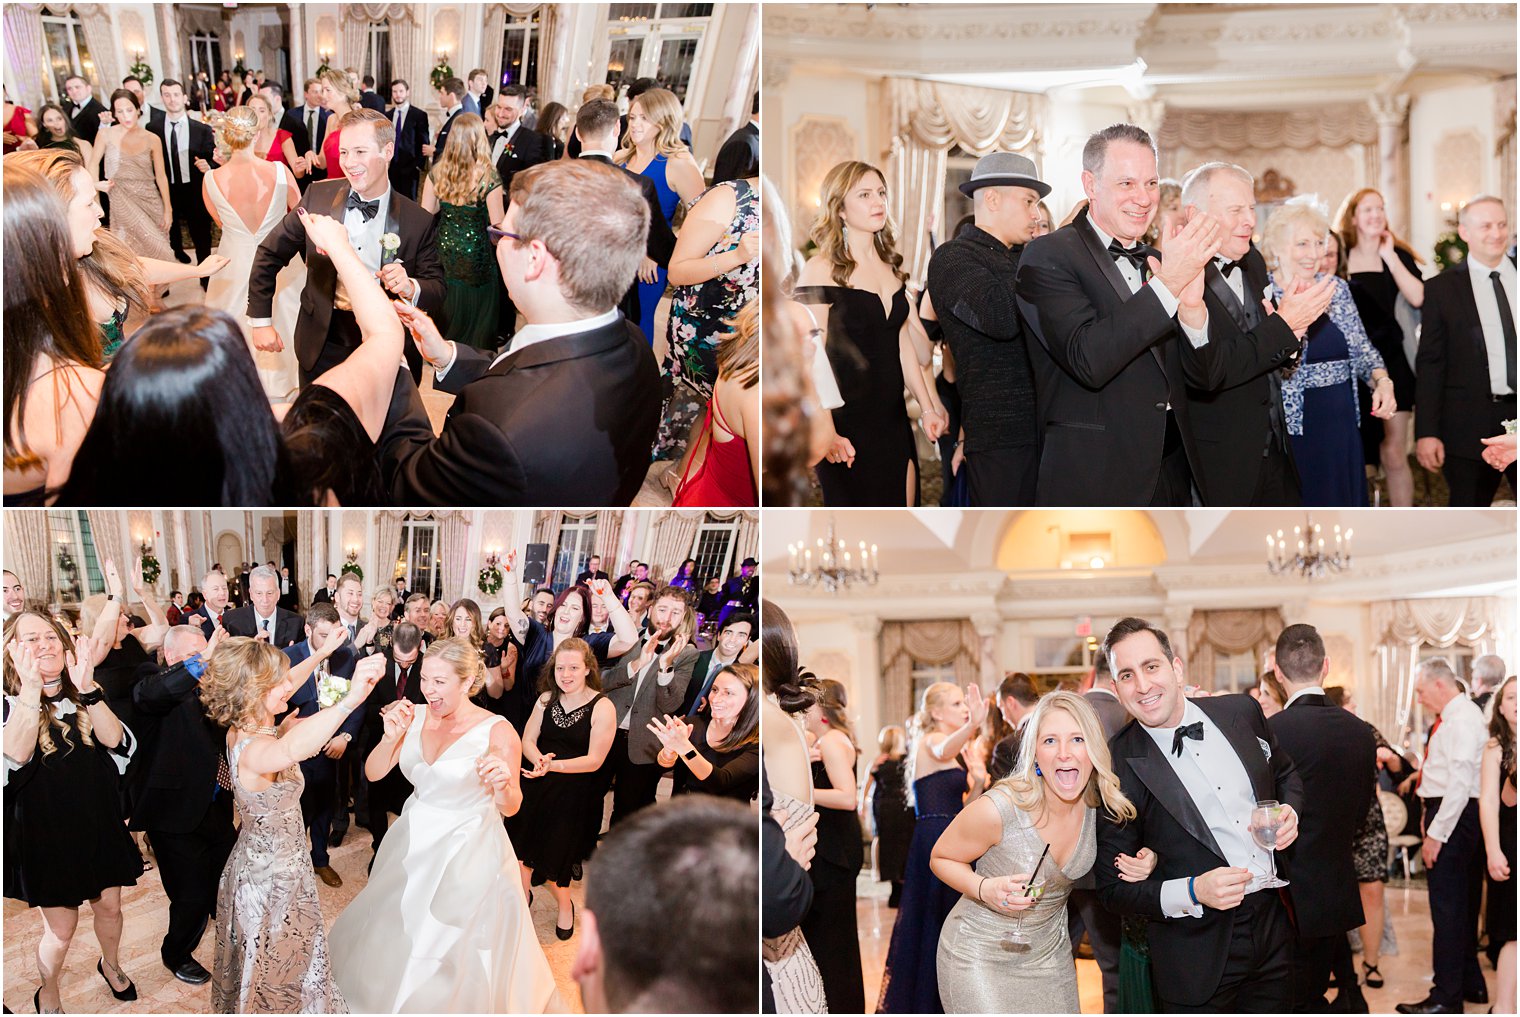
(497, 235)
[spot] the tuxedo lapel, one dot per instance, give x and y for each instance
(1252, 756)
(1157, 774)
(1104, 260)
(1220, 287)
(392, 220)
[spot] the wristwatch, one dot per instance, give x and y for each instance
(92, 697)
(689, 755)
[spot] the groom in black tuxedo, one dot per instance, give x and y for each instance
(569, 414)
(370, 209)
(83, 108)
(188, 147)
(1194, 769)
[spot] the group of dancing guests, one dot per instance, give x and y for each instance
(496, 743)
(1151, 349)
(1214, 854)
(351, 240)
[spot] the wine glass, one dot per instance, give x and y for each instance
(1266, 821)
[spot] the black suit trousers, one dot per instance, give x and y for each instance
(343, 337)
(1471, 483)
(635, 785)
(190, 865)
(1105, 932)
(1002, 477)
(1455, 885)
(1257, 972)
(1277, 484)
(190, 210)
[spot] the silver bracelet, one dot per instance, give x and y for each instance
(344, 709)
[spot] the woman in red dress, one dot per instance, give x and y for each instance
(722, 464)
(272, 143)
(20, 130)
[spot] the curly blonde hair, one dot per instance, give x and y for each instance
(45, 740)
(463, 657)
(1028, 789)
(238, 677)
(240, 125)
(662, 107)
(464, 173)
(828, 229)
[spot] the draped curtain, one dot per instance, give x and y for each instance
(106, 529)
(1229, 632)
(609, 526)
(101, 36)
(674, 533)
(26, 544)
(403, 27)
(1401, 628)
(311, 554)
(927, 119)
(934, 643)
(546, 530)
(23, 59)
(453, 534)
(1332, 127)
(388, 538)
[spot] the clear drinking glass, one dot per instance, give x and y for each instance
(1266, 821)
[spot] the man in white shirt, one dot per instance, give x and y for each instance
(209, 614)
(262, 617)
(1195, 769)
(1453, 847)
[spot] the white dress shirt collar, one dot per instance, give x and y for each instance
(530, 334)
(596, 151)
(1312, 690)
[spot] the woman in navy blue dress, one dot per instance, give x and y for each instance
(943, 726)
(1321, 400)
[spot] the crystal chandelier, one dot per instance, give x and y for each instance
(1312, 557)
(829, 565)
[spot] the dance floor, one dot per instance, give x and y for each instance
(1406, 977)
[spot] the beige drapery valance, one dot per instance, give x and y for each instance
(1330, 126)
(935, 643)
(1229, 632)
(1401, 628)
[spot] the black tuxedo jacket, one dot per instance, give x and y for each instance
(1238, 410)
(407, 160)
(586, 576)
(181, 748)
(1189, 954)
(155, 120)
(443, 135)
(372, 100)
(1335, 755)
(323, 596)
(1106, 364)
(738, 155)
(202, 616)
(566, 421)
(1005, 754)
(1452, 387)
(528, 148)
(86, 119)
(391, 791)
(404, 217)
(202, 146)
(289, 627)
(294, 121)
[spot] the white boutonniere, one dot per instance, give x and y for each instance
(1509, 427)
(331, 689)
(389, 245)
(1266, 749)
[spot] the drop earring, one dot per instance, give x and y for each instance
(844, 230)
(1037, 772)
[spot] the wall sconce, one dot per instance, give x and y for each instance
(145, 547)
(352, 556)
(493, 557)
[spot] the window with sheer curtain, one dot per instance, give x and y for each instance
(74, 567)
(67, 51)
(418, 557)
(577, 542)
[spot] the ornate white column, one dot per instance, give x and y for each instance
(988, 625)
(1392, 114)
(1147, 114)
(868, 689)
(736, 104)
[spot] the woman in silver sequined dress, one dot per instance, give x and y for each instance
(1014, 855)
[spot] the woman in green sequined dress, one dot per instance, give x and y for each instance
(464, 191)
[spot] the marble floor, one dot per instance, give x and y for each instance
(1406, 976)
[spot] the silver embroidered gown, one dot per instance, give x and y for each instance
(271, 944)
(981, 970)
(137, 207)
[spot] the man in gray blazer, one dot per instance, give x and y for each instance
(648, 682)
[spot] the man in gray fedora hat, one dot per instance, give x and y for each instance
(971, 285)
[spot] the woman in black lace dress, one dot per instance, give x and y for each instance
(892, 817)
(566, 740)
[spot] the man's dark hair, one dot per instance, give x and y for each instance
(406, 638)
(1300, 653)
(368, 81)
(131, 77)
(454, 87)
(1020, 687)
(1127, 627)
(170, 83)
(1096, 149)
(638, 86)
(75, 77)
(321, 611)
(696, 856)
(514, 92)
(276, 88)
(754, 104)
(402, 82)
(740, 618)
(173, 594)
(331, 576)
(596, 117)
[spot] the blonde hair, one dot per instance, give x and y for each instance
(739, 350)
(45, 739)
(340, 83)
(90, 609)
(892, 740)
(828, 228)
(596, 92)
(463, 657)
(464, 172)
(663, 108)
(240, 125)
(1028, 789)
(1282, 223)
(237, 678)
(920, 725)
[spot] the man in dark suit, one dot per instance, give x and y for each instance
(178, 798)
(155, 114)
(1335, 754)
(319, 797)
(1239, 427)
(368, 97)
(307, 124)
(411, 127)
(596, 125)
(214, 604)
(647, 682)
(449, 97)
(262, 617)
(326, 594)
(1194, 769)
(402, 682)
(733, 640)
(593, 570)
(740, 155)
(188, 146)
(1109, 363)
(740, 593)
(1016, 699)
(569, 414)
(364, 201)
(83, 108)
(1465, 369)
(514, 145)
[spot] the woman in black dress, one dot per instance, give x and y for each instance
(121, 650)
(1496, 813)
(65, 839)
(1381, 268)
(875, 344)
(566, 741)
(892, 817)
(830, 926)
(719, 751)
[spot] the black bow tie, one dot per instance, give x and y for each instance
(368, 209)
(1136, 254)
(1226, 267)
(1193, 730)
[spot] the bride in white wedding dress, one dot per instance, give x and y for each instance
(443, 925)
(253, 190)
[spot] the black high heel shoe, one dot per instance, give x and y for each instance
(567, 933)
(37, 1003)
(125, 995)
(1372, 976)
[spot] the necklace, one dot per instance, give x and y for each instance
(265, 729)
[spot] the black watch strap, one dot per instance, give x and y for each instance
(92, 697)
(689, 756)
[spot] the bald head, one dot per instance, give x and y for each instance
(183, 642)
